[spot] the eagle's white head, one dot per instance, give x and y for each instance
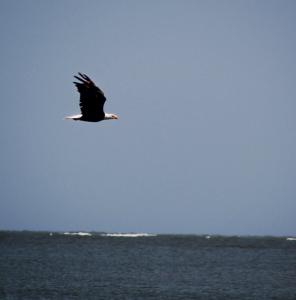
(111, 117)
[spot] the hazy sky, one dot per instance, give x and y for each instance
(205, 92)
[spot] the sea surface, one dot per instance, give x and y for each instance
(81, 265)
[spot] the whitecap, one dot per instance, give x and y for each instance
(291, 239)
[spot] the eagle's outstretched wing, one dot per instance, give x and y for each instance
(92, 98)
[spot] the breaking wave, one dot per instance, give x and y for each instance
(128, 234)
(78, 233)
(291, 239)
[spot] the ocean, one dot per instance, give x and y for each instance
(69, 265)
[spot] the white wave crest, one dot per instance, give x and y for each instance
(78, 233)
(128, 234)
(291, 239)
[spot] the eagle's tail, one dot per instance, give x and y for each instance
(74, 117)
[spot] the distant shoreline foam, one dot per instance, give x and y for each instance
(141, 234)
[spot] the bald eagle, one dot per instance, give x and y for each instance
(92, 100)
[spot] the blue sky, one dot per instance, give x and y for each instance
(205, 92)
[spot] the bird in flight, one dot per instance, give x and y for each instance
(92, 100)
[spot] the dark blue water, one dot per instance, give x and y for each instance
(37, 265)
